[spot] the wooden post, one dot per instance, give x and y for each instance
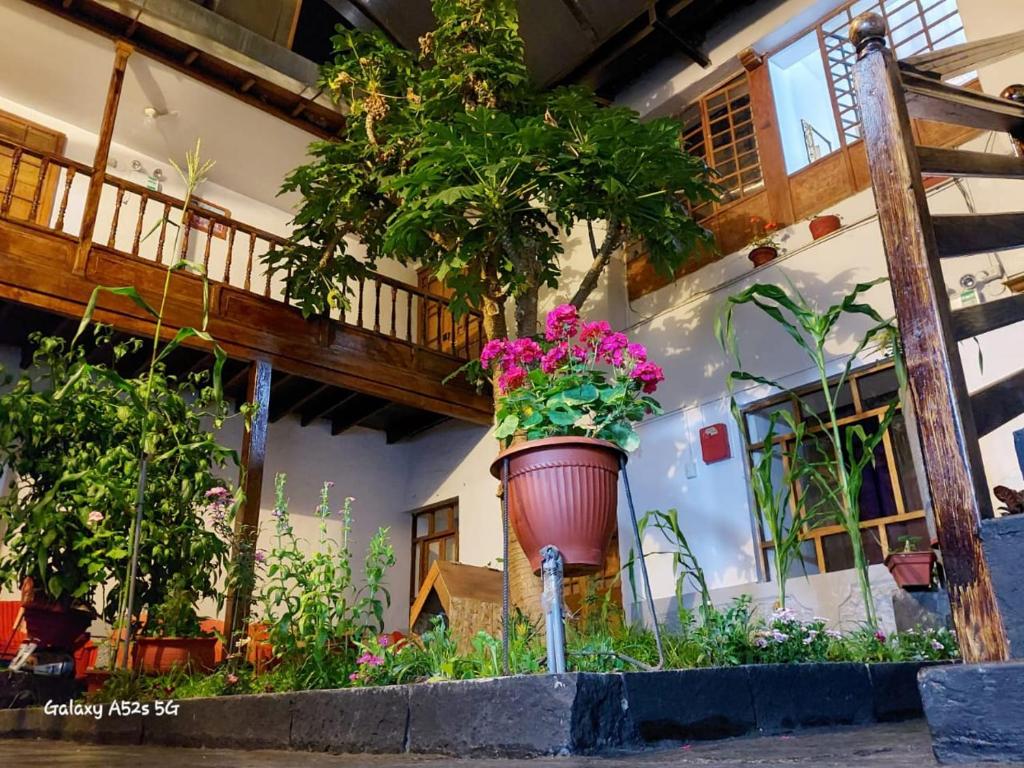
(247, 522)
(99, 164)
(937, 386)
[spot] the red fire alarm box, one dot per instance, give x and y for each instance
(714, 443)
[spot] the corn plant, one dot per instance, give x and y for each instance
(844, 452)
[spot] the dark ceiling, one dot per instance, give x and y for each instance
(603, 43)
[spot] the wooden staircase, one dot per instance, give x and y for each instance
(950, 420)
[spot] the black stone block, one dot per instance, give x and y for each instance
(246, 722)
(894, 690)
(690, 704)
(354, 721)
(975, 711)
(921, 610)
(789, 696)
(1003, 542)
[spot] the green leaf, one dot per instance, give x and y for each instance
(90, 308)
(587, 393)
(507, 427)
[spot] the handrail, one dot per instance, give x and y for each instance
(966, 57)
(61, 160)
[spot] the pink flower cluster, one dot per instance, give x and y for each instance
(572, 341)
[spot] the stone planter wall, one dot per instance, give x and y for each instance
(575, 713)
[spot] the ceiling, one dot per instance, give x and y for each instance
(603, 43)
(253, 150)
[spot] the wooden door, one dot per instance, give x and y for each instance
(29, 188)
(437, 327)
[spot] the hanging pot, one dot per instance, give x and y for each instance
(911, 570)
(825, 225)
(762, 255)
(158, 655)
(563, 491)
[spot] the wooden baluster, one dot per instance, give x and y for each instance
(408, 316)
(359, 311)
(451, 324)
(44, 166)
(227, 260)
(376, 307)
(112, 238)
(465, 334)
(206, 249)
(163, 233)
(440, 326)
(394, 296)
(248, 264)
(69, 177)
(143, 202)
(183, 252)
(5, 205)
(288, 288)
(266, 282)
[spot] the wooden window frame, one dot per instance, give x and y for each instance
(817, 534)
(785, 198)
(422, 541)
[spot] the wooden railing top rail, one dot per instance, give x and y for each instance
(966, 57)
(61, 160)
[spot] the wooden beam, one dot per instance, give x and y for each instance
(939, 394)
(411, 425)
(247, 520)
(354, 410)
(998, 403)
(122, 51)
(294, 397)
(937, 161)
(966, 57)
(963, 235)
(1015, 93)
(321, 404)
(931, 99)
(982, 318)
(769, 140)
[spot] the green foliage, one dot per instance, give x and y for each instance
(176, 616)
(315, 610)
(831, 458)
(71, 431)
(452, 160)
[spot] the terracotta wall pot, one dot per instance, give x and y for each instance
(54, 626)
(162, 654)
(824, 225)
(563, 491)
(911, 570)
(762, 255)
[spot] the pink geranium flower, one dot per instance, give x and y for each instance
(611, 348)
(526, 351)
(513, 376)
(592, 334)
(493, 350)
(554, 357)
(562, 323)
(95, 516)
(649, 375)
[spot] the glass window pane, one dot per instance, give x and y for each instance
(917, 530)
(758, 421)
(906, 469)
(423, 524)
(877, 389)
(814, 403)
(449, 548)
(433, 552)
(803, 103)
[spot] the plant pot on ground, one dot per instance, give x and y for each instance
(172, 636)
(825, 225)
(762, 255)
(565, 410)
(910, 567)
(766, 244)
(53, 624)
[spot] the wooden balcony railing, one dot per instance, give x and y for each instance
(47, 192)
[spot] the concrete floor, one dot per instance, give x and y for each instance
(902, 745)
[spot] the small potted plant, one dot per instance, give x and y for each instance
(171, 636)
(910, 567)
(825, 225)
(565, 412)
(766, 246)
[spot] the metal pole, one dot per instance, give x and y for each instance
(506, 666)
(643, 564)
(552, 569)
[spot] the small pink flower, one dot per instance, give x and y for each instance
(513, 377)
(637, 353)
(260, 556)
(526, 351)
(592, 333)
(612, 347)
(232, 679)
(218, 491)
(554, 357)
(880, 636)
(649, 375)
(562, 323)
(370, 660)
(493, 349)
(354, 677)
(384, 641)
(95, 516)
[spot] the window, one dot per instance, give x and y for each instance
(812, 78)
(719, 129)
(891, 503)
(435, 536)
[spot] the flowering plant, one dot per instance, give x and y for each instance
(581, 379)
(765, 233)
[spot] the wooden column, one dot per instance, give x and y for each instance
(769, 141)
(254, 454)
(945, 422)
(99, 164)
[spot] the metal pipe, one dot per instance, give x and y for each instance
(506, 665)
(552, 569)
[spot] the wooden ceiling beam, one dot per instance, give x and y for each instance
(294, 396)
(354, 410)
(410, 426)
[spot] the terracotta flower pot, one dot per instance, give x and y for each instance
(95, 679)
(762, 255)
(162, 654)
(55, 626)
(563, 491)
(824, 225)
(911, 570)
